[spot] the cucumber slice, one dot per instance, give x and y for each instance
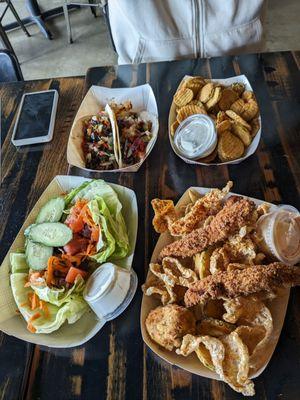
(53, 234)
(51, 211)
(18, 262)
(37, 255)
(27, 230)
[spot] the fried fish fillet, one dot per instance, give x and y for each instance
(258, 279)
(236, 213)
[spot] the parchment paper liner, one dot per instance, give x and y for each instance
(86, 327)
(191, 363)
(250, 149)
(142, 99)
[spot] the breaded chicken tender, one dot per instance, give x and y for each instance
(256, 279)
(236, 213)
(168, 324)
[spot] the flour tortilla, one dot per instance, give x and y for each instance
(116, 137)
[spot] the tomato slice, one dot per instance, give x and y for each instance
(77, 245)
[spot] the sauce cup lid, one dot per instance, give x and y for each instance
(196, 137)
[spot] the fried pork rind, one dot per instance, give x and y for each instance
(177, 273)
(241, 249)
(167, 325)
(202, 263)
(204, 206)
(250, 311)
(155, 286)
(214, 327)
(171, 279)
(219, 260)
(229, 357)
(165, 214)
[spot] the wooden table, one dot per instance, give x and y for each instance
(116, 364)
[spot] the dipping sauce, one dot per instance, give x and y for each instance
(280, 234)
(109, 290)
(196, 137)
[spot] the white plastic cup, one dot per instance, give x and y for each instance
(109, 290)
(280, 234)
(187, 134)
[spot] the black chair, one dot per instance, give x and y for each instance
(10, 70)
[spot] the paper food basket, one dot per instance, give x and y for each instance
(88, 325)
(191, 363)
(250, 149)
(142, 99)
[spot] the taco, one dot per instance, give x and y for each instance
(100, 142)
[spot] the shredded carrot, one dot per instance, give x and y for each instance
(34, 301)
(35, 316)
(44, 308)
(24, 304)
(31, 328)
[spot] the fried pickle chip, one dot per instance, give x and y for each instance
(221, 116)
(195, 84)
(228, 96)
(206, 92)
(223, 126)
(237, 106)
(189, 110)
(238, 87)
(202, 262)
(250, 110)
(242, 132)
(214, 327)
(210, 157)
(230, 147)
(236, 118)
(214, 98)
(174, 126)
(255, 125)
(183, 96)
(165, 213)
(196, 103)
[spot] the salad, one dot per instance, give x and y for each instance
(72, 236)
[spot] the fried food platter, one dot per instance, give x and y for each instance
(191, 363)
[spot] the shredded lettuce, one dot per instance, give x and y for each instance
(107, 212)
(71, 309)
(59, 296)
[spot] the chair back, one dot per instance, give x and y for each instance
(10, 70)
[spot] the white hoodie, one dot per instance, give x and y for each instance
(158, 30)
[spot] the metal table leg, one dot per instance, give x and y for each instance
(4, 39)
(34, 9)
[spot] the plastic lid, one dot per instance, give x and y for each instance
(281, 234)
(100, 281)
(196, 137)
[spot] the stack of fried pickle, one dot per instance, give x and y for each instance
(234, 110)
(213, 282)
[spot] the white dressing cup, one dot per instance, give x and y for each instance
(280, 234)
(109, 290)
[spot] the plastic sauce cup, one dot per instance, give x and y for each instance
(109, 290)
(280, 234)
(196, 137)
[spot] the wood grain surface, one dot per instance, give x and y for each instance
(115, 364)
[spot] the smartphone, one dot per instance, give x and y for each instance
(36, 118)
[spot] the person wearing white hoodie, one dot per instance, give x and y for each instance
(160, 30)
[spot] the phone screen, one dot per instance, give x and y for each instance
(35, 116)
